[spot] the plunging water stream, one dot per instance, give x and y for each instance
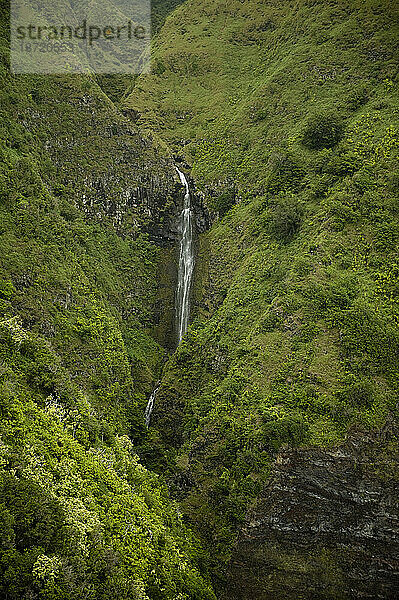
(150, 407)
(184, 278)
(186, 262)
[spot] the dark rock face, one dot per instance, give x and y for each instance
(202, 217)
(103, 164)
(102, 167)
(168, 237)
(327, 526)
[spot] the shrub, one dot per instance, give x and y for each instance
(38, 519)
(322, 131)
(223, 203)
(288, 429)
(357, 98)
(359, 392)
(158, 67)
(7, 289)
(343, 164)
(286, 218)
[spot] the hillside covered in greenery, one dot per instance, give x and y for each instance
(81, 189)
(288, 114)
(284, 116)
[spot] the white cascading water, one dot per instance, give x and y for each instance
(184, 278)
(150, 407)
(186, 262)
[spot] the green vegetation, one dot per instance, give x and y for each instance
(322, 131)
(160, 9)
(288, 114)
(80, 517)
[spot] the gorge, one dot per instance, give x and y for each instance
(184, 278)
(199, 364)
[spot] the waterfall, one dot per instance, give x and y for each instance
(150, 407)
(184, 278)
(186, 262)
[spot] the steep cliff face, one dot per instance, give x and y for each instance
(80, 177)
(88, 210)
(101, 162)
(325, 526)
(287, 112)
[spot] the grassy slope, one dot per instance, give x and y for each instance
(116, 86)
(295, 340)
(79, 516)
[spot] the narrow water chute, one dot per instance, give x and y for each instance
(186, 262)
(150, 407)
(184, 278)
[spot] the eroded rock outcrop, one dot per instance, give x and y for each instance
(327, 526)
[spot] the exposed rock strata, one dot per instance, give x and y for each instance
(327, 526)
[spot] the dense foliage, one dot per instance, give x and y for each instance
(290, 109)
(288, 114)
(80, 517)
